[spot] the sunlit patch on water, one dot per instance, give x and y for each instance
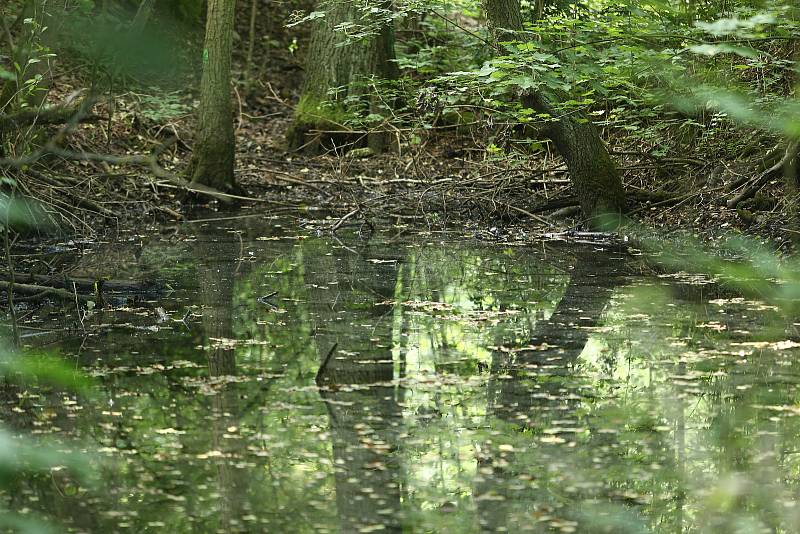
(298, 383)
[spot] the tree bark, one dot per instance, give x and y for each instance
(213, 159)
(595, 178)
(539, 9)
(336, 69)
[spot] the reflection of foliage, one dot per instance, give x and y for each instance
(669, 416)
(24, 456)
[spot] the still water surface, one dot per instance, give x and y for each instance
(415, 382)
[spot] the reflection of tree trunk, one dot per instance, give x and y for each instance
(362, 402)
(536, 387)
(217, 278)
(680, 451)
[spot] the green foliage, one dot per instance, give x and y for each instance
(20, 214)
(23, 78)
(162, 106)
(109, 47)
(24, 456)
(664, 75)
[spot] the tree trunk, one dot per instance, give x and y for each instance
(213, 159)
(791, 174)
(143, 15)
(335, 70)
(594, 175)
(539, 9)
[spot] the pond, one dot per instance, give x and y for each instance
(277, 378)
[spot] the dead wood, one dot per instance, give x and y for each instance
(768, 175)
(44, 291)
(46, 116)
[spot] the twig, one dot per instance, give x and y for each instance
(341, 221)
(78, 306)
(520, 210)
(324, 366)
(286, 177)
(10, 288)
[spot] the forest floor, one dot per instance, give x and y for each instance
(445, 178)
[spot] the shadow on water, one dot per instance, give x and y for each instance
(292, 383)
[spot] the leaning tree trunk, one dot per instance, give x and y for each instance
(143, 15)
(595, 178)
(212, 162)
(336, 69)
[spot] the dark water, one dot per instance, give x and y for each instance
(465, 387)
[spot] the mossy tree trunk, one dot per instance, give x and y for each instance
(336, 69)
(594, 176)
(213, 159)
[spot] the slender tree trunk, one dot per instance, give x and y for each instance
(213, 159)
(336, 69)
(251, 43)
(539, 9)
(143, 15)
(595, 178)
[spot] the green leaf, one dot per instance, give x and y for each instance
(723, 48)
(487, 69)
(43, 368)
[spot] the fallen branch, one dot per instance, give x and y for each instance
(765, 177)
(44, 291)
(518, 210)
(555, 204)
(51, 115)
(286, 177)
(83, 284)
